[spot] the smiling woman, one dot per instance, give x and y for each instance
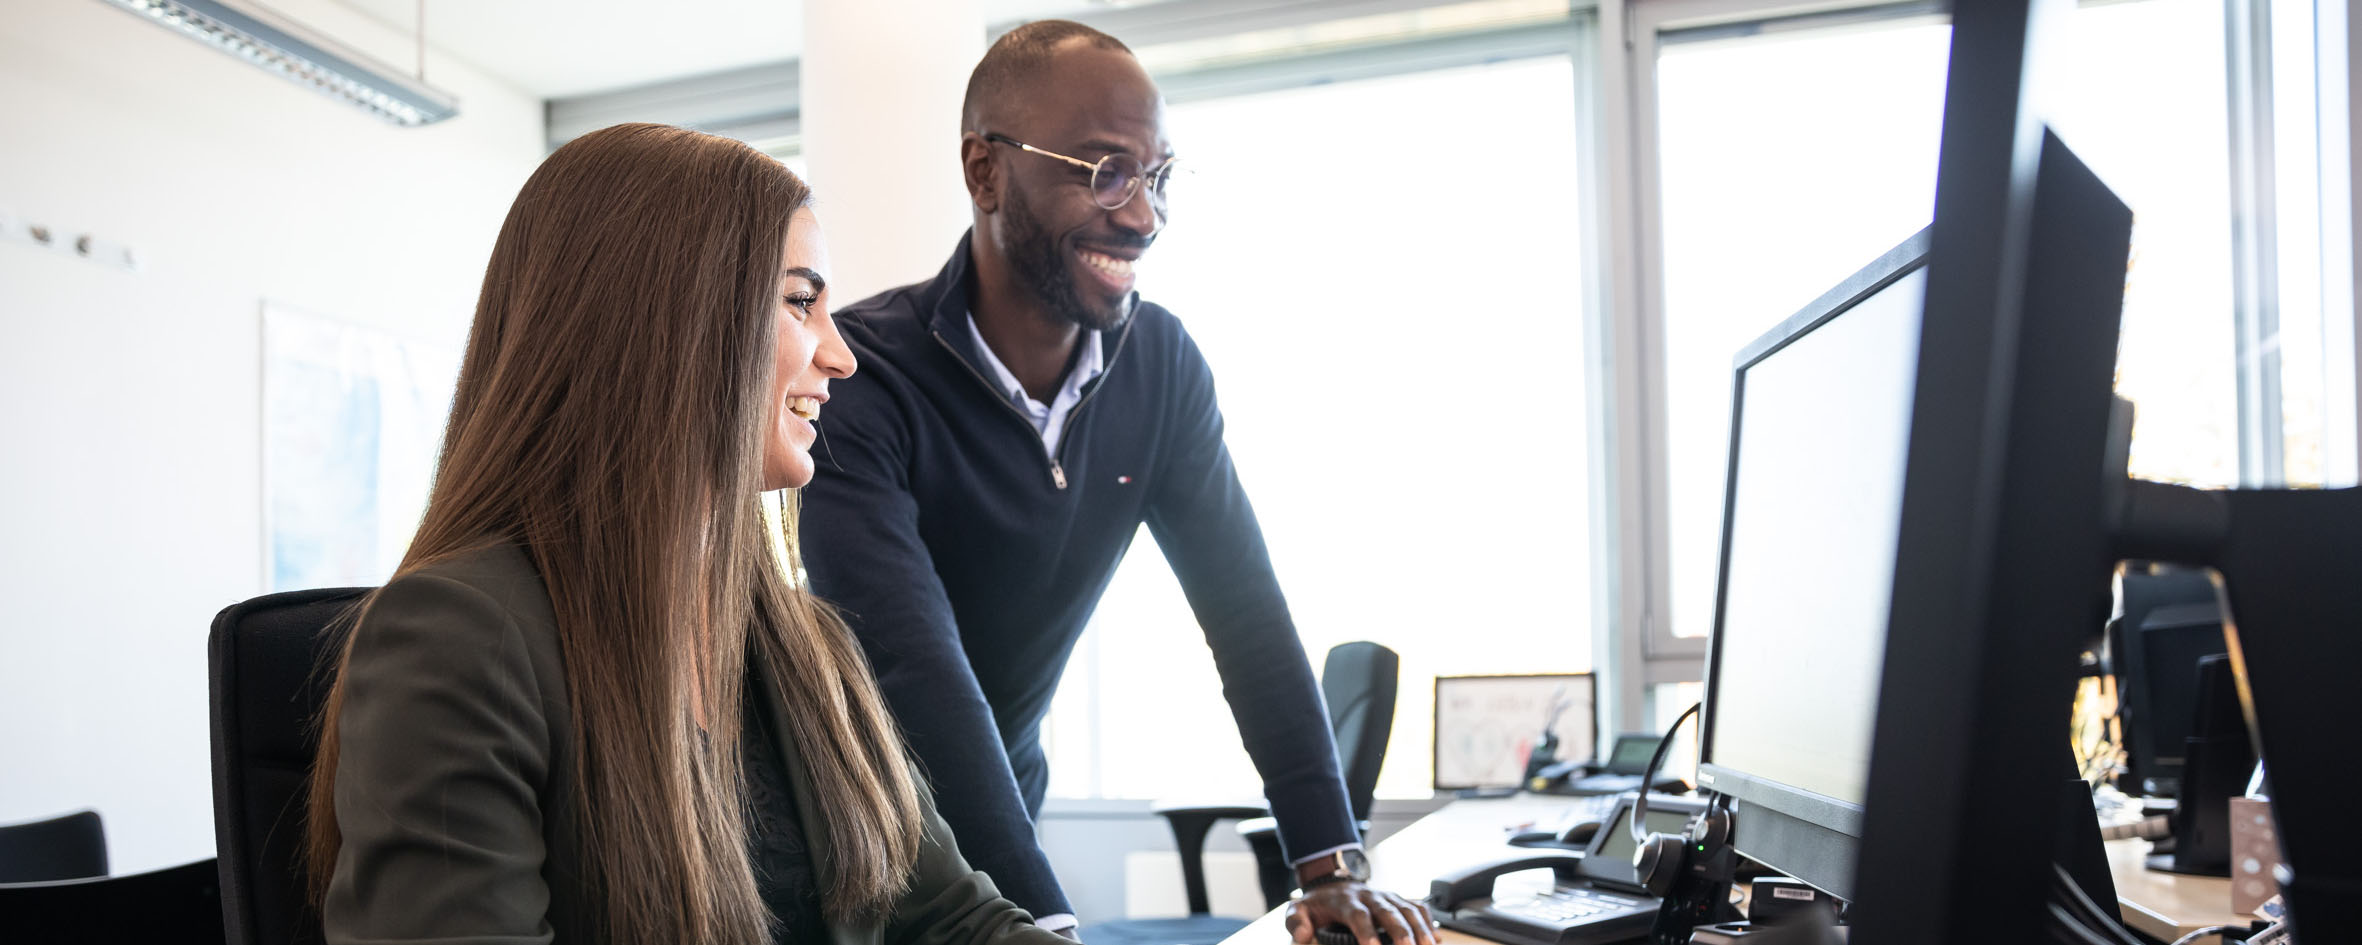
(571, 713)
(809, 353)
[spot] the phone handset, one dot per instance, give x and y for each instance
(1453, 890)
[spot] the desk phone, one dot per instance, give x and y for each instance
(1593, 899)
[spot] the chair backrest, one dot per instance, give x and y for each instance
(271, 669)
(1358, 681)
(70, 847)
(179, 905)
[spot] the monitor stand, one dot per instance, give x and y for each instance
(2217, 760)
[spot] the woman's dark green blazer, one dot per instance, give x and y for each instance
(453, 773)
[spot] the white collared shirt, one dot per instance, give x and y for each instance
(1048, 419)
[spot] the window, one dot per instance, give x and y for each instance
(1382, 275)
(1789, 160)
(2314, 297)
(2142, 100)
(1792, 152)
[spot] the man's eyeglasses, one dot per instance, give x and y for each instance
(1115, 179)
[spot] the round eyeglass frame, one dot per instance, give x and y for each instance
(1141, 177)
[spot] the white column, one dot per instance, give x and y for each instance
(881, 89)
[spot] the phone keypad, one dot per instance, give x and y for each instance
(1565, 905)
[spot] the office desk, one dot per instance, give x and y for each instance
(1467, 832)
(1463, 833)
(2167, 906)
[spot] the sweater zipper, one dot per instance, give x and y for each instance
(1057, 473)
(1057, 470)
(1067, 427)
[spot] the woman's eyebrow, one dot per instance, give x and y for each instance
(819, 282)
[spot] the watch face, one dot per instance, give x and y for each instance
(1355, 863)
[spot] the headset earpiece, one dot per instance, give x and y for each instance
(1712, 830)
(1658, 861)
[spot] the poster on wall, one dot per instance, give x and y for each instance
(1488, 727)
(352, 421)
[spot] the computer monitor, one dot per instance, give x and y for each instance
(2170, 619)
(2015, 508)
(1893, 654)
(2003, 550)
(1828, 433)
(1820, 419)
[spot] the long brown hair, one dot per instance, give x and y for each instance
(609, 419)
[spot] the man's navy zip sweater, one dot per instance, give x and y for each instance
(968, 559)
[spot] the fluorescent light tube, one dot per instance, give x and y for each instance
(286, 49)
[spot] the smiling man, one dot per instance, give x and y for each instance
(1016, 420)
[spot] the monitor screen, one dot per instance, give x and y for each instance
(1820, 427)
(1632, 753)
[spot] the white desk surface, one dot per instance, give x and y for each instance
(1467, 832)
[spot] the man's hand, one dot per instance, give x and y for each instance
(1364, 910)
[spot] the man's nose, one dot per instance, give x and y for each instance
(1139, 214)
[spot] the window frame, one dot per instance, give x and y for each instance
(1635, 243)
(1651, 654)
(2337, 34)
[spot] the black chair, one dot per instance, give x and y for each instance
(271, 670)
(179, 905)
(1358, 682)
(70, 847)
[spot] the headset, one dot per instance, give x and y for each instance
(1690, 870)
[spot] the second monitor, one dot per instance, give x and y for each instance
(1819, 428)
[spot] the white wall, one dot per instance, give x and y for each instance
(129, 401)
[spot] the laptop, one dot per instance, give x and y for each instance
(1596, 902)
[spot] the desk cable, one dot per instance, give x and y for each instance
(2080, 919)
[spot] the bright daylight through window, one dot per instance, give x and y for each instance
(1791, 157)
(1383, 278)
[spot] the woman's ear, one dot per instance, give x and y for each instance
(981, 171)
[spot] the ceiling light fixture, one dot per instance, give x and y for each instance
(283, 48)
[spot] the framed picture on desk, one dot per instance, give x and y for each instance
(1487, 727)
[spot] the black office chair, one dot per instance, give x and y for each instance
(271, 670)
(179, 905)
(73, 846)
(1358, 682)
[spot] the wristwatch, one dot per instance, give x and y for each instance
(1348, 864)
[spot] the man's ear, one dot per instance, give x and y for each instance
(982, 173)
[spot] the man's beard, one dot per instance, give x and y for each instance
(1043, 269)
